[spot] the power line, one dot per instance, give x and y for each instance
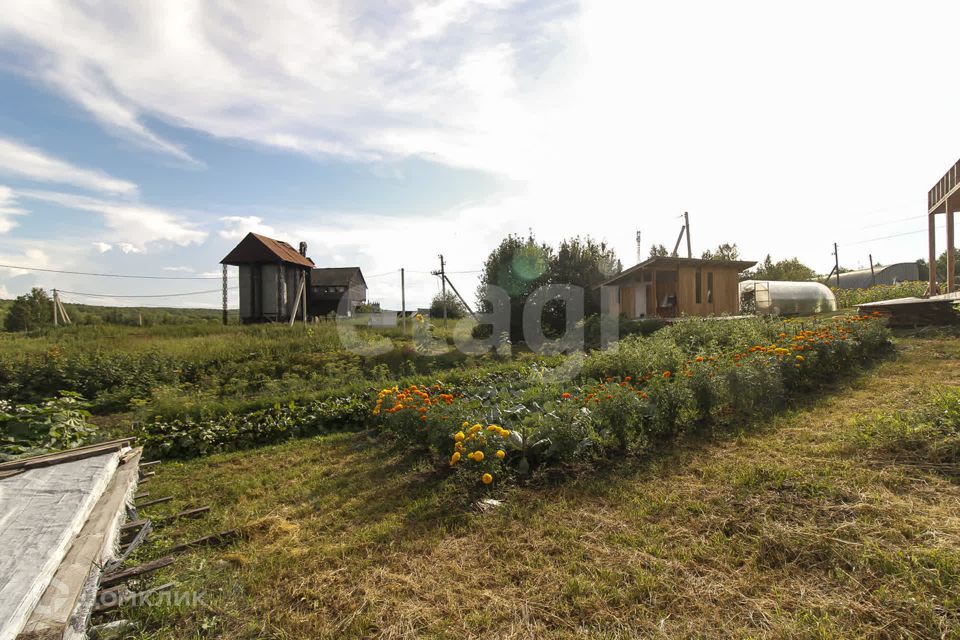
(109, 275)
(895, 235)
(161, 295)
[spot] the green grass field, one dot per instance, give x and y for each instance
(812, 524)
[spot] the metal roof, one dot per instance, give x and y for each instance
(674, 262)
(330, 276)
(256, 248)
(863, 278)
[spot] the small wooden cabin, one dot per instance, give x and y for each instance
(669, 287)
(271, 272)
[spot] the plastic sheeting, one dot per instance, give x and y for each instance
(785, 298)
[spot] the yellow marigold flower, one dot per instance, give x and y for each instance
(475, 428)
(465, 424)
(478, 456)
(459, 437)
(492, 427)
(487, 478)
(455, 458)
(505, 433)
(501, 454)
(799, 358)
(459, 447)
(469, 456)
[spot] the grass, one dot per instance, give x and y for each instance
(798, 528)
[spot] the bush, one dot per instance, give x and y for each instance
(29, 429)
(641, 390)
(188, 438)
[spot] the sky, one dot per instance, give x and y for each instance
(147, 138)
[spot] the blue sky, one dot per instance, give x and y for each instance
(147, 138)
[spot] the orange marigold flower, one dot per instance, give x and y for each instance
(666, 374)
(486, 478)
(566, 394)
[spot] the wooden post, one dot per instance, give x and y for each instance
(686, 224)
(63, 311)
(403, 300)
(224, 294)
(951, 258)
(873, 275)
(56, 311)
(836, 263)
(443, 284)
(303, 302)
(296, 305)
(931, 223)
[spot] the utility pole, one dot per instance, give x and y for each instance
(686, 224)
(403, 299)
(443, 284)
(836, 263)
(873, 276)
(56, 312)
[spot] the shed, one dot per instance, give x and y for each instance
(890, 274)
(782, 297)
(271, 273)
(339, 290)
(667, 287)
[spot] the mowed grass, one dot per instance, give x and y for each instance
(791, 529)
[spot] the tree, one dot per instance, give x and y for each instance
(584, 263)
(455, 308)
(787, 269)
(658, 251)
(518, 267)
(29, 311)
(942, 265)
(726, 251)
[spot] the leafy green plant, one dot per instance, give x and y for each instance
(59, 423)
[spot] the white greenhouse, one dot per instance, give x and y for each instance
(785, 298)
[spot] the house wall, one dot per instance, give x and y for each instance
(725, 299)
(246, 291)
(269, 273)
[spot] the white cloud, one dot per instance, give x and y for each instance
(179, 269)
(27, 257)
(20, 160)
(134, 225)
(5, 293)
(126, 247)
(8, 209)
(239, 226)
(102, 247)
(448, 80)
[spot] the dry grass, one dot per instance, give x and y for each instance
(782, 531)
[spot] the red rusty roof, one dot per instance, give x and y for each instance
(256, 248)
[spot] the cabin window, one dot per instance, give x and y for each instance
(698, 287)
(709, 287)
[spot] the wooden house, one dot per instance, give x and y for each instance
(669, 287)
(271, 273)
(329, 287)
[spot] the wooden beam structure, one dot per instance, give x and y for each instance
(943, 198)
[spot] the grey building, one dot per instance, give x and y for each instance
(271, 273)
(338, 290)
(891, 274)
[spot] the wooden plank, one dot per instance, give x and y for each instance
(212, 540)
(189, 513)
(117, 577)
(61, 605)
(134, 524)
(142, 495)
(144, 465)
(70, 455)
(112, 600)
(150, 503)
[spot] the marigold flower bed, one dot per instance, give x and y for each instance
(692, 374)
